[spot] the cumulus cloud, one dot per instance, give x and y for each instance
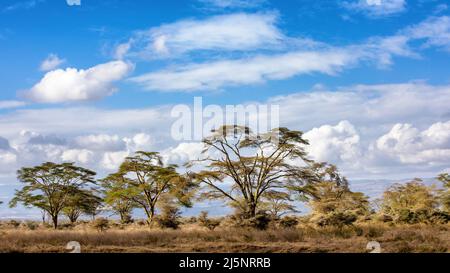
(51, 62)
(231, 32)
(74, 84)
(73, 155)
(336, 144)
(102, 142)
(112, 160)
(343, 125)
(184, 152)
(408, 144)
(376, 8)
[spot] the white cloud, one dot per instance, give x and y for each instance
(102, 142)
(51, 62)
(407, 144)
(335, 144)
(435, 30)
(231, 32)
(376, 8)
(233, 3)
(321, 58)
(343, 126)
(72, 84)
(74, 155)
(122, 50)
(73, 2)
(112, 160)
(29, 4)
(184, 152)
(215, 75)
(7, 104)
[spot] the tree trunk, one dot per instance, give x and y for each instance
(55, 221)
(252, 210)
(151, 216)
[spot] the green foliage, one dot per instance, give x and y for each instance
(288, 222)
(410, 203)
(81, 201)
(260, 221)
(48, 186)
(142, 181)
(207, 222)
(114, 188)
(170, 216)
(335, 205)
(445, 193)
(256, 164)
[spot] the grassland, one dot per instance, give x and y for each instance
(135, 238)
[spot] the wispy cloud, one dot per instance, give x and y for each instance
(23, 5)
(376, 8)
(232, 32)
(232, 3)
(51, 62)
(324, 59)
(8, 104)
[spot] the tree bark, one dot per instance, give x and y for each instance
(55, 221)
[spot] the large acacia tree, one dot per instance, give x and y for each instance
(49, 187)
(144, 180)
(249, 169)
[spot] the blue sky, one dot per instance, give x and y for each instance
(93, 81)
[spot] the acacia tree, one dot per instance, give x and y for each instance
(409, 203)
(115, 189)
(258, 166)
(333, 203)
(81, 201)
(49, 186)
(144, 180)
(445, 193)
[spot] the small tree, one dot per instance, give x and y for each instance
(115, 188)
(207, 222)
(334, 203)
(170, 216)
(412, 202)
(81, 201)
(144, 180)
(49, 185)
(445, 193)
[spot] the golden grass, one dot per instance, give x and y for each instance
(192, 238)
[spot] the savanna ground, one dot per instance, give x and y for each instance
(29, 237)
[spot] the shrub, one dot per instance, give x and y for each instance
(101, 224)
(288, 222)
(31, 225)
(14, 223)
(240, 220)
(338, 219)
(204, 221)
(169, 218)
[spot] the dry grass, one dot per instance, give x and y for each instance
(192, 238)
